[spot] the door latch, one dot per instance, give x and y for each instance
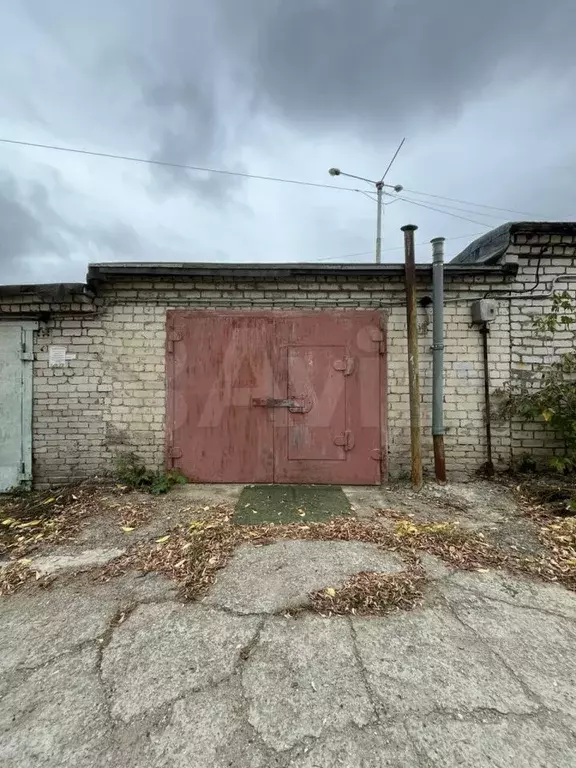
(271, 402)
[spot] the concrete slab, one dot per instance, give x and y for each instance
(220, 737)
(375, 746)
(518, 591)
(163, 651)
(74, 560)
(426, 660)
(290, 570)
(488, 740)
(537, 646)
(303, 678)
(434, 567)
(39, 627)
(56, 717)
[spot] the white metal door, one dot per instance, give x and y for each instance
(15, 404)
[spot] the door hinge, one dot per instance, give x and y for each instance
(376, 454)
(378, 336)
(175, 453)
(346, 440)
(171, 337)
(24, 353)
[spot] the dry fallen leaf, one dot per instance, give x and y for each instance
(126, 528)
(162, 539)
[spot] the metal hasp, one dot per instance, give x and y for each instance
(413, 375)
(438, 358)
(271, 402)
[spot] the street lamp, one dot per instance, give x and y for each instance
(379, 192)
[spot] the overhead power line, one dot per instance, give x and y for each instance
(447, 213)
(478, 205)
(223, 172)
(399, 247)
(183, 166)
(448, 207)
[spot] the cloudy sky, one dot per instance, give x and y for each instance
(482, 91)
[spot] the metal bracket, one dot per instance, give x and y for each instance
(26, 355)
(346, 365)
(376, 454)
(346, 440)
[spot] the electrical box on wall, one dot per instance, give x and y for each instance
(484, 311)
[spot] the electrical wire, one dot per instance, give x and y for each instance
(447, 213)
(369, 195)
(164, 163)
(478, 205)
(398, 247)
(183, 166)
(462, 210)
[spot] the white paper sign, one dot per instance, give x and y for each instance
(58, 357)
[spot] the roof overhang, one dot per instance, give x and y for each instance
(100, 273)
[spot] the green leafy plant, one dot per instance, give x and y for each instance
(551, 396)
(132, 472)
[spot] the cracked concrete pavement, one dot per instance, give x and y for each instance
(123, 673)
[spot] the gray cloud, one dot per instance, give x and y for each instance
(274, 87)
(375, 66)
(28, 224)
(36, 242)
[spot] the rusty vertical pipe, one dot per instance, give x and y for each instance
(438, 358)
(413, 373)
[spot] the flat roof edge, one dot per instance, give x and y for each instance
(109, 271)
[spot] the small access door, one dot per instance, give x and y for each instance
(15, 405)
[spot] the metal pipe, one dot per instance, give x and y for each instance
(413, 373)
(489, 466)
(438, 358)
(379, 189)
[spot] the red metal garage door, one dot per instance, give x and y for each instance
(276, 396)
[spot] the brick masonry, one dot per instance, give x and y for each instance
(111, 396)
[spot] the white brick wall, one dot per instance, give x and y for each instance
(111, 398)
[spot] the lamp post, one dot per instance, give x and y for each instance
(379, 185)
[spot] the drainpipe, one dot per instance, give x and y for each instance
(413, 380)
(438, 358)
